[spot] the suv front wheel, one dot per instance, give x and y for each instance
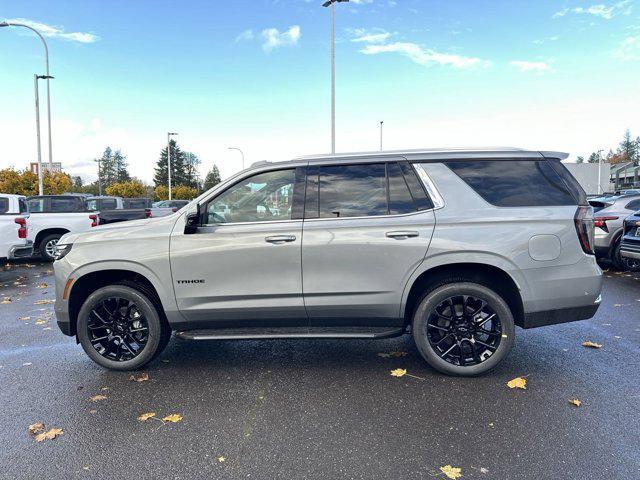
(120, 328)
(463, 328)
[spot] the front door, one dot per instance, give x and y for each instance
(367, 228)
(243, 266)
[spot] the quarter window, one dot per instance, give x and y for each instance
(264, 197)
(400, 200)
(635, 205)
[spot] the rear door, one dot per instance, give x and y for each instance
(367, 227)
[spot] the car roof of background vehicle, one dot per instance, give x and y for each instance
(11, 195)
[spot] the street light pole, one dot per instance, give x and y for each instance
(47, 76)
(99, 181)
(381, 122)
(599, 171)
(169, 134)
(241, 153)
(329, 3)
(35, 86)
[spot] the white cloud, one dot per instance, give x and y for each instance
(600, 10)
(537, 67)
(273, 38)
(629, 49)
(361, 2)
(57, 31)
(245, 36)
(423, 56)
(374, 36)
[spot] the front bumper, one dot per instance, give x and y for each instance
(21, 251)
(630, 249)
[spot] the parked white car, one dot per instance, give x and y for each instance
(51, 216)
(13, 227)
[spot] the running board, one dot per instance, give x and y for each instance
(286, 332)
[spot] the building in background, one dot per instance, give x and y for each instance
(587, 175)
(625, 176)
(33, 166)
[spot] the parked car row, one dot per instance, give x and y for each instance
(49, 217)
(610, 214)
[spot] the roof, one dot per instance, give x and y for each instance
(485, 153)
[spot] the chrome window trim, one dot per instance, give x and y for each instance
(432, 190)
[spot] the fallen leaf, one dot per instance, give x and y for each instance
(6, 300)
(46, 328)
(104, 389)
(42, 285)
(142, 378)
(617, 305)
(575, 402)
(393, 354)
(173, 418)
(517, 382)
(146, 416)
(44, 302)
(451, 472)
(98, 398)
(589, 344)
(398, 372)
(36, 428)
(27, 364)
(484, 470)
(221, 459)
(24, 319)
(93, 411)
(49, 434)
(40, 322)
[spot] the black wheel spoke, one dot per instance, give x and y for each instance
(462, 339)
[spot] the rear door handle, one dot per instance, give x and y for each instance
(402, 234)
(278, 239)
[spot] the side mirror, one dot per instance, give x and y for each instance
(192, 222)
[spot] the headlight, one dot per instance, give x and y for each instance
(62, 250)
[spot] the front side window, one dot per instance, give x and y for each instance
(352, 190)
(261, 198)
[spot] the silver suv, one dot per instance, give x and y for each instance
(455, 247)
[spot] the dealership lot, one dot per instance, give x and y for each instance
(319, 409)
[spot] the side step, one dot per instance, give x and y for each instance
(258, 333)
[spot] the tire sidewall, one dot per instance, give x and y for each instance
(43, 245)
(432, 299)
(143, 304)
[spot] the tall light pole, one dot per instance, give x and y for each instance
(169, 134)
(35, 87)
(329, 3)
(241, 153)
(99, 181)
(46, 75)
(381, 122)
(599, 171)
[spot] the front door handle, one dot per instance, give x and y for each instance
(279, 239)
(402, 234)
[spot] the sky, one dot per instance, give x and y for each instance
(255, 74)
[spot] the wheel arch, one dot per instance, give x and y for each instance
(46, 232)
(486, 274)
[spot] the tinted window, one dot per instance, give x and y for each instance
(63, 204)
(23, 205)
(515, 183)
(135, 203)
(35, 205)
(263, 197)
(109, 204)
(574, 187)
(352, 191)
(400, 200)
(415, 186)
(4, 205)
(635, 205)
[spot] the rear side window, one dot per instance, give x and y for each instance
(515, 183)
(109, 204)
(61, 205)
(135, 203)
(35, 205)
(4, 205)
(635, 205)
(352, 191)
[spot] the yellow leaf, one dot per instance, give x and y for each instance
(173, 418)
(221, 459)
(104, 389)
(146, 416)
(589, 344)
(42, 285)
(36, 428)
(6, 300)
(44, 302)
(517, 382)
(93, 411)
(142, 378)
(98, 398)
(49, 434)
(398, 372)
(40, 321)
(451, 472)
(24, 319)
(575, 402)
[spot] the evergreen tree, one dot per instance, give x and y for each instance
(212, 178)
(191, 162)
(107, 172)
(580, 159)
(178, 168)
(594, 157)
(628, 148)
(120, 166)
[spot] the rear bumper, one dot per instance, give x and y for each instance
(553, 317)
(21, 251)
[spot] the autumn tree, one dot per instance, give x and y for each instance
(129, 189)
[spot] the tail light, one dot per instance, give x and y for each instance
(94, 220)
(601, 222)
(22, 229)
(147, 212)
(584, 223)
(174, 209)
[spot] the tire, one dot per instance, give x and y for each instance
(46, 246)
(620, 263)
(95, 314)
(462, 336)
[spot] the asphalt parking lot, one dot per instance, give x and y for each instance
(319, 409)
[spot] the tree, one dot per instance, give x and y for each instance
(580, 159)
(628, 148)
(77, 184)
(191, 164)
(128, 189)
(595, 157)
(213, 178)
(178, 168)
(183, 192)
(120, 166)
(56, 183)
(161, 192)
(26, 182)
(113, 167)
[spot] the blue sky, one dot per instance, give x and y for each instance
(558, 75)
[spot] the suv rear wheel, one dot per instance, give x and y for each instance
(120, 327)
(463, 328)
